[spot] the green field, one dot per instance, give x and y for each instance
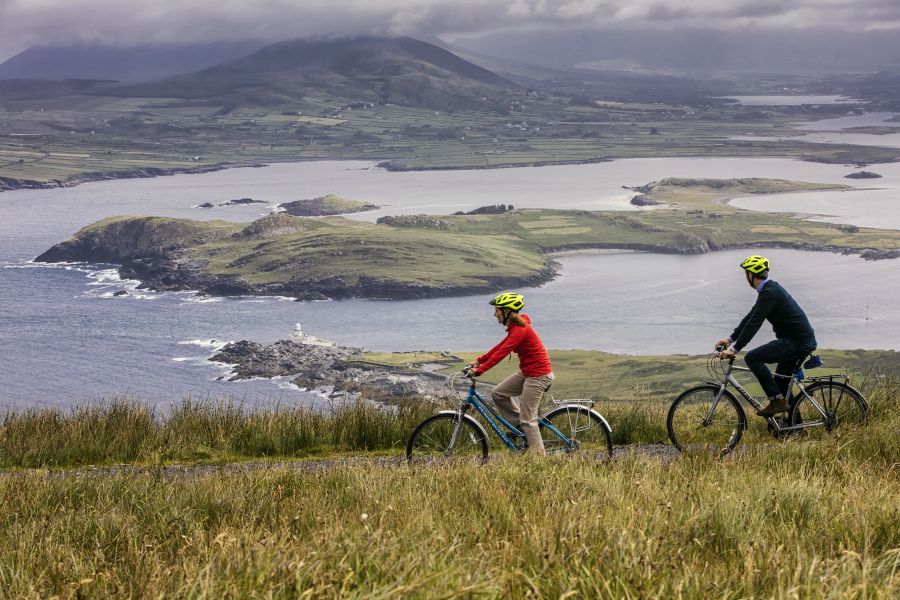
(56, 139)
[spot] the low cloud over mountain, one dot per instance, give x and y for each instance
(25, 23)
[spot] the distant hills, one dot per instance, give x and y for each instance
(698, 52)
(138, 63)
(378, 70)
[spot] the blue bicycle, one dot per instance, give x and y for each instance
(571, 425)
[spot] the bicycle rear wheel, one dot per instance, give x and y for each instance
(842, 404)
(431, 441)
(694, 429)
(584, 428)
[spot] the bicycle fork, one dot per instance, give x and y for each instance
(707, 420)
(460, 415)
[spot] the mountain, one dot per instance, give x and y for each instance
(139, 63)
(399, 70)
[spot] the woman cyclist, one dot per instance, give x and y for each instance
(534, 376)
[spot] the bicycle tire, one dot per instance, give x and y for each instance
(841, 402)
(584, 427)
(685, 421)
(431, 438)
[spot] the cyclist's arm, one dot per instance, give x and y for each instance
(754, 319)
(487, 354)
(501, 350)
(737, 330)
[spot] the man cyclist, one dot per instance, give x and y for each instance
(794, 335)
(534, 375)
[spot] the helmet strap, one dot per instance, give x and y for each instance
(506, 314)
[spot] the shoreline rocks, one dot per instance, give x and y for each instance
(336, 371)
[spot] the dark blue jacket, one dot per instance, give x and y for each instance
(782, 311)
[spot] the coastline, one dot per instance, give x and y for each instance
(10, 184)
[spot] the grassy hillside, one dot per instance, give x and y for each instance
(810, 518)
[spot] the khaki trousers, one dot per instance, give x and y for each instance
(524, 413)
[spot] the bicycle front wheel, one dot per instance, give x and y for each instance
(433, 440)
(583, 428)
(842, 404)
(695, 426)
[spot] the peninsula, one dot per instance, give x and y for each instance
(418, 256)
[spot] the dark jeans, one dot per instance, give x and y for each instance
(787, 353)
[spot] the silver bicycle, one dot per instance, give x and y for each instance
(709, 417)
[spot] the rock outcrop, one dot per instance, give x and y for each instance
(643, 200)
(332, 370)
(325, 206)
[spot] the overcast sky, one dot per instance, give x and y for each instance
(25, 23)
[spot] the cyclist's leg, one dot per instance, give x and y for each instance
(532, 393)
(785, 371)
(758, 360)
(792, 356)
(503, 393)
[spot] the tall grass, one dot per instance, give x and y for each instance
(125, 431)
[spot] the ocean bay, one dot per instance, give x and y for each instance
(67, 339)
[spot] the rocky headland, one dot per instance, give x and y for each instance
(335, 371)
(281, 255)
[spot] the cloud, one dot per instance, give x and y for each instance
(129, 22)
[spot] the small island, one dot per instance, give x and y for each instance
(863, 175)
(324, 206)
(421, 256)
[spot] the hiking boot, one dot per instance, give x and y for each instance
(776, 405)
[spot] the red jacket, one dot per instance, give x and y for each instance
(524, 341)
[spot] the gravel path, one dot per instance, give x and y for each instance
(663, 452)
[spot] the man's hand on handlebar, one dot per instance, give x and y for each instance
(724, 348)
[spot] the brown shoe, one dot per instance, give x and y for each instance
(776, 405)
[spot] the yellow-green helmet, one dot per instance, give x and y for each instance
(512, 301)
(755, 264)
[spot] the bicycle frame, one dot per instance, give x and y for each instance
(773, 422)
(474, 400)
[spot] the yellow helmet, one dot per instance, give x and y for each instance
(512, 301)
(755, 264)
